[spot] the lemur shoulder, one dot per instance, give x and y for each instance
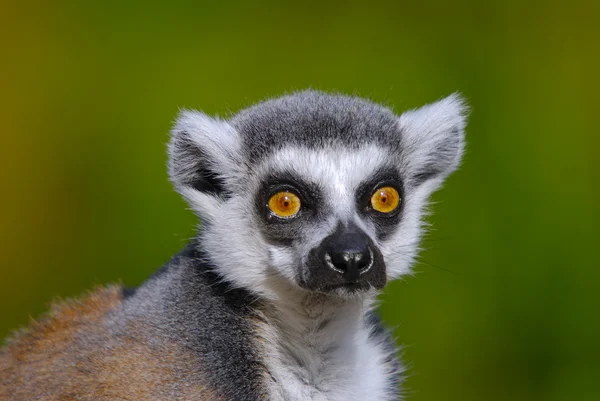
(309, 203)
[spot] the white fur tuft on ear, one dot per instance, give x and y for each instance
(204, 155)
(433, 138)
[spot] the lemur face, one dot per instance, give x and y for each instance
(324, 192)
(326, 213)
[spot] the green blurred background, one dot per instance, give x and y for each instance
(506, 302)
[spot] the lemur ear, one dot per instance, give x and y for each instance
(203, 156)
(433, 139)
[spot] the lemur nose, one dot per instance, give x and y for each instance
(350, 256)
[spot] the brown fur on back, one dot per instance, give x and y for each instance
(75, 353)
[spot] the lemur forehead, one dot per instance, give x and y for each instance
(314, 120)
(338, 168)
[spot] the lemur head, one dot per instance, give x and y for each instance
(323, 192)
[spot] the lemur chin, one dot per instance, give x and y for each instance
(309, 204)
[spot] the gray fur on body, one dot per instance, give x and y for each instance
(250, 349)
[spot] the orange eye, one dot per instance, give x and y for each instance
(284, 204)
(385, 199)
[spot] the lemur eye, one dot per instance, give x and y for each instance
(284, 204)
(385, 199)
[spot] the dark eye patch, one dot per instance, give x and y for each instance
(385, 223)
(285, 231)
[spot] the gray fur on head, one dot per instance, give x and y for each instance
(335, 144)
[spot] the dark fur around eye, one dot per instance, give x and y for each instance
(385, 222)
(286, 230)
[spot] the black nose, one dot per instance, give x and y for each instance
(349, 255)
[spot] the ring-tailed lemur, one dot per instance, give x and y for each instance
(309, 205)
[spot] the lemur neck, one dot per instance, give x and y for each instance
(314, 340)
(302, 315)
